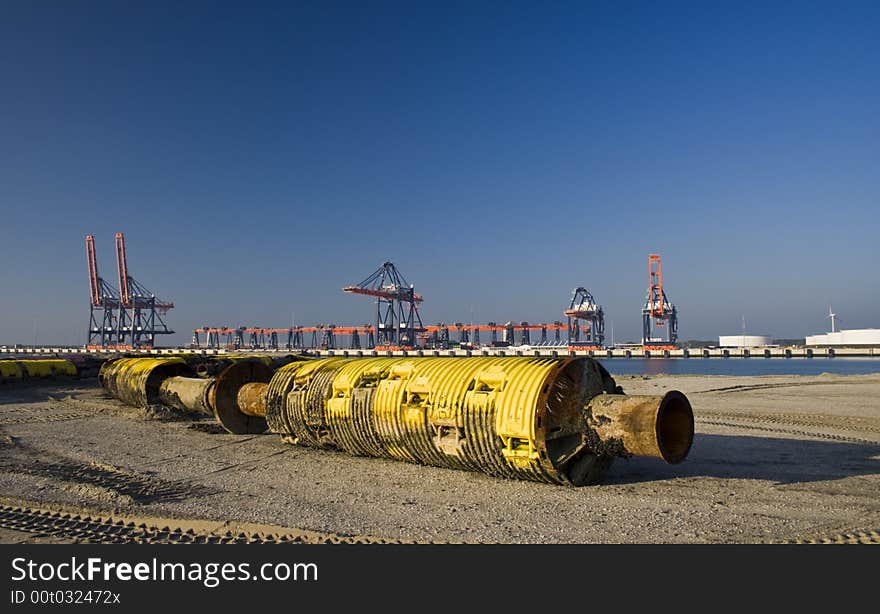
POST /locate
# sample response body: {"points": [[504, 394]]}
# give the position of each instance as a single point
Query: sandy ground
{"points": [[775, 458]]}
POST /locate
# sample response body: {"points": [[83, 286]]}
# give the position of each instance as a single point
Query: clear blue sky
{"points": [[260, 156]]}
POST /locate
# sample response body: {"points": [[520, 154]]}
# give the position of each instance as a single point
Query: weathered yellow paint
{"points": [[306, 401], [10, 370], [282, 382], [39, 368], [476, 413], [514, 417], [136, 381], [349, 411], [517, 409]]}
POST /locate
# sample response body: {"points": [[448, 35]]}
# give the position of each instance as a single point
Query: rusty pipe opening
{"points": [[674, 427], [643, 425]]}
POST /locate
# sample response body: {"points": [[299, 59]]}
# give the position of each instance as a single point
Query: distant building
{"points": [[857, 337], [744, 341]]}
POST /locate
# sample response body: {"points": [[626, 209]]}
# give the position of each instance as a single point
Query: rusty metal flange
{"points": [[224, 397]]}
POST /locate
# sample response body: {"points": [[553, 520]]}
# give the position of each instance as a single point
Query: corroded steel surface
{"points": [[280, 385], [560, 421], [522, 418], [658, 426], [306, 401], [349, 413], [223, 396], [186, 393], [252, 399], [136, 381]]}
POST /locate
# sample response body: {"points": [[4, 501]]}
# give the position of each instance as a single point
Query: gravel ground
{"points": [[775, 458]]}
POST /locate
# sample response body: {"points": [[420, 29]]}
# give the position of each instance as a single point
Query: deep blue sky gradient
{"points": [[259, 156]]}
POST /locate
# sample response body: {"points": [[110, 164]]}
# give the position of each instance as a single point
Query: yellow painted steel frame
{"points": [[349, 411], [472, 413], [282, 382], [306, 401], [10, 370], [42, 368], [481, 413], [133, 380]]}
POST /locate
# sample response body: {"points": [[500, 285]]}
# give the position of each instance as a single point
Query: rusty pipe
{"points": [[170, 381], [642, 425], [516, 417], [251, 399], [186, 393], [550, 420]]}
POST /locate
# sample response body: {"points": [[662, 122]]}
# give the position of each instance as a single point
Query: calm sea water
{"points": [[740, 366]]}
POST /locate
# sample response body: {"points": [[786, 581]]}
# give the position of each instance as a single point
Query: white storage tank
{"points": [[744, 341]]}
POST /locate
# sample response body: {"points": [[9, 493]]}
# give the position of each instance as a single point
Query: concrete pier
{"points": [[548, 351]]}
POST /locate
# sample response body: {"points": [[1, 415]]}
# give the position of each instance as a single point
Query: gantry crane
{"points": [[658, 314], [438, 336], [140, 312], [584, 307], [103, 306], [397, 314]]}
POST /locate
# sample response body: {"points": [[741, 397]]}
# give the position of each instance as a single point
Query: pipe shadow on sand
{"points": [[779, 460]]}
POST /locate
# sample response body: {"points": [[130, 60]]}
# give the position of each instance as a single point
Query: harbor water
{"points": [[740, 366]]}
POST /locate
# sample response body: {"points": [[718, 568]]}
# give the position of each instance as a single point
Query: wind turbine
{"points": [[832, 315]]}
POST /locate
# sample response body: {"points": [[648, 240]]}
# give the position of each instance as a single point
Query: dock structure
{"points": [[547, 351]]}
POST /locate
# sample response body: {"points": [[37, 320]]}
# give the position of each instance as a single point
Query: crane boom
{"points": [[391, 295], [94, 280], [655, 285], [122, 267]]}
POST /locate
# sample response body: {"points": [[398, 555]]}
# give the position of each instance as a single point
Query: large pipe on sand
{"points": [[561, 421]]}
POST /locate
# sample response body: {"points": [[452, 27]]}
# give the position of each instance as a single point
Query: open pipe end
{"points": [[643, 425], [674, 427]]}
